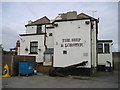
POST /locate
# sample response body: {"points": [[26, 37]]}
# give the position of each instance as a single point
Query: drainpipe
{"points": [[97, 21], [45, 38], [109, 65], [91, 40], [45, 43]]}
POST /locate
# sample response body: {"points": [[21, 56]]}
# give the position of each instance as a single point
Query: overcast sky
{"points": [[16, 14]]}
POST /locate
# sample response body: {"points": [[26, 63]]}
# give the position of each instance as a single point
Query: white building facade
{"points": [[68, 40], [33, 42]]}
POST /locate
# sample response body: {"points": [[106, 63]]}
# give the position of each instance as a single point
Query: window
{"points": [[106, 48], [33, 47], [50, 34], [39, 29], [100, 48], [64, 52], [87, 22]]}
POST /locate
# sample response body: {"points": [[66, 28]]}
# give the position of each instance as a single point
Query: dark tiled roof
{"points": [[79, 17], [42, 20], [64, 16], [49, 51], [83, 15]]}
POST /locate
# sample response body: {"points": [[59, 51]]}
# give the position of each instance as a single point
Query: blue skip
{"points": [[25, 68]]}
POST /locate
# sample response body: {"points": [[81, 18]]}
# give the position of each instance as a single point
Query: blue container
{"points": [[25, 68]]}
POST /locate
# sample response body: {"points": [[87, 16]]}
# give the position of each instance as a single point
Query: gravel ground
{"points": [[99, 80]]}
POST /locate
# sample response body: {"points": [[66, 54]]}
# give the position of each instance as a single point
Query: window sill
{"points": [[103, 53], [33, 53]]}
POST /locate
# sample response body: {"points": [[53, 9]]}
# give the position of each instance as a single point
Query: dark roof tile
{"points": [[42, 20], [83, 15]]}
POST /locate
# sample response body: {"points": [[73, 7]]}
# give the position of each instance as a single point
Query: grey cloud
{"points": [[107, 12], [9, 37]]}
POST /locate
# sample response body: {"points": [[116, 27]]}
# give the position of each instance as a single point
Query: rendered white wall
{"points": [[43, 28], [50, 39], [25, 42], [75, 55], [102, 58], [31, 29]]}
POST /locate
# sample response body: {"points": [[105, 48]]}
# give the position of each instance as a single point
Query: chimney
{"points": [[72, 15], [29, 22]]}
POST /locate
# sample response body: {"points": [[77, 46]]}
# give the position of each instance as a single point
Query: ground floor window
{"points": [[34, 47], [103, 48]]}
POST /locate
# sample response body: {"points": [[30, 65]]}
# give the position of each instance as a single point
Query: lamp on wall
{"points": [[39, 49], [26, 49], [87, 22]]}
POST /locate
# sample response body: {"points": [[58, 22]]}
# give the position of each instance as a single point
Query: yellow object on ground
{"points": [[6, 72]]}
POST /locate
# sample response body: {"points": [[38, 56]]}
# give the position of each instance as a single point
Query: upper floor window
{"points": [[34, 47], [39, 29], [100, 48], [106, 48]]}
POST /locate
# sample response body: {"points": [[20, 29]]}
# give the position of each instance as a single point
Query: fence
{"points": [[43, 69], [116, 61], [13, 60]]}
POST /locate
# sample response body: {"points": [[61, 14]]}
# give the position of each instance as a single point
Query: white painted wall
{"points": [[103, 57], [50, 39], [75, 55], [43, 28], [31, 29], [25, 42]]}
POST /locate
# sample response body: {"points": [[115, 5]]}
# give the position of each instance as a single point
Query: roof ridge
{"points": [[85, 15], [42, 20]]}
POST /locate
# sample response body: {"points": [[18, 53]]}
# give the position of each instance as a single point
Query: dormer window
{"points": [[39, 29]]}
